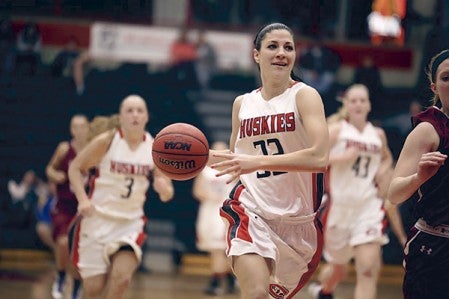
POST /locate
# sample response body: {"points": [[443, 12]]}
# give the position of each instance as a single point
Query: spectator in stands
{"points": [[29, 46], [30, 183], [183, 55], [43, 218], [206, 61], [182, 50], [24, 200], [7, 50], [384, 22], [62, 65], [368, 74], [79, 71], [319, 66], [402, 121]]}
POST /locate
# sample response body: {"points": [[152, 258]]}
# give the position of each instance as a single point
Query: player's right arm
{"points": [[52, 172], [88, 158], [419, 161]]}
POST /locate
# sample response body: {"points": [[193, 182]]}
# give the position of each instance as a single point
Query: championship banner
{"points": [[145, 44]]}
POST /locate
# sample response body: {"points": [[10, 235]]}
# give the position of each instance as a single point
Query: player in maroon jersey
{"points": [[66, 205], [422, 169]]}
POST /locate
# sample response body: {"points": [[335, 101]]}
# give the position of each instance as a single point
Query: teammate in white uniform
{"points": [[359, 161], [278, 144], [211, 191], [108, 237]]}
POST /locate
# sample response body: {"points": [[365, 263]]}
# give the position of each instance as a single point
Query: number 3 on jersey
{"points": [[129, 187], [264, 145]]}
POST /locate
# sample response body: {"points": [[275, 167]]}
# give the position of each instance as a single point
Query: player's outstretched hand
{"points": [[235, 165]]}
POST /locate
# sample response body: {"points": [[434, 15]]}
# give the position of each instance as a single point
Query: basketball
{"points": [[180, 151]]}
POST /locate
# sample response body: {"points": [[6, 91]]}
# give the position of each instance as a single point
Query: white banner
{"points": [[151, 45]]}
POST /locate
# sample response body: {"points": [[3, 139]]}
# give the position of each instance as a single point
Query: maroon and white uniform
{"points": [[66, 204]]}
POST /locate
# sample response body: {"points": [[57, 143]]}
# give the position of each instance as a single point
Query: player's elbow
{"points": [[321, 161], [166, 196]]}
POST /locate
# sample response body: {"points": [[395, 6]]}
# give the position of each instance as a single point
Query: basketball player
{"points": [[211, 191], [359, 161], [66, 205], [110, 233], [279, 143], [422, 169]]}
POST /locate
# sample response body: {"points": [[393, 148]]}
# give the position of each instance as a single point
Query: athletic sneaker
{"points": [[57, 289], [213, 288], [314, 289], [78, 295]]}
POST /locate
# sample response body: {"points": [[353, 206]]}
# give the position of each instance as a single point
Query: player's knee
{"points": [[369, 271], [121, 280], [92, 290], [62, 241]]}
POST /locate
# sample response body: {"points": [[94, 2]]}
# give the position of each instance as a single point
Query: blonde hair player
{"points": [[354, 226], [109, 235], [279, 147]]}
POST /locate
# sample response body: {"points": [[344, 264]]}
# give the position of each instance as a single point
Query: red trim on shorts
{"points": [[228, 233], [313, 264], [92, 182], [384, 220], [75, 256], [142, 236]]}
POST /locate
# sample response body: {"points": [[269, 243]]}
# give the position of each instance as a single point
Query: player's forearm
{"points": [[402, 188], [77, 182], [305, 160]]}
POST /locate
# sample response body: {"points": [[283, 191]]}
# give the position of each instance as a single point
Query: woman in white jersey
{"points": [[279, 143], [211, 191], [360, 160], [108, 238]]}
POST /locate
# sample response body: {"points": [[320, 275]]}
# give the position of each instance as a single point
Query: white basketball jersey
{"points": [[353, 183], [271, 128], [122, 179]]}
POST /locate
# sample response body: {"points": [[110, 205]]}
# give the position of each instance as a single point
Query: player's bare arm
{"points": [[417, 162], [88, 158], [51, 170], [163, 185]]}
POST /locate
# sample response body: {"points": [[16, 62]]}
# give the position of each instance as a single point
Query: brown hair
{"points": [[431, 70]]}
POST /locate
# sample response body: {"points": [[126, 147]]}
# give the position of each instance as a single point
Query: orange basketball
{"points": [[180, 151]]}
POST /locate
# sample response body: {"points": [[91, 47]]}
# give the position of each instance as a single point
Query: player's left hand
{"points": [[235, 165]]}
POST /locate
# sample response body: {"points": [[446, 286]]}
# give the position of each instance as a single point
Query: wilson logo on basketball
{"points": [[188, 164], [178, 146]]}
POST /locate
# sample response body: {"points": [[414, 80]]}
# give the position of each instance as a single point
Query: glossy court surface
{"points": [[29, 275]]}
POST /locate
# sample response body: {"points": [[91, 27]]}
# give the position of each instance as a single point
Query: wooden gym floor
{"points": [[29, 275]]}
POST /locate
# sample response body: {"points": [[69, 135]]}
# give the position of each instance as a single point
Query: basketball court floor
{"points": [[30, 277]]}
